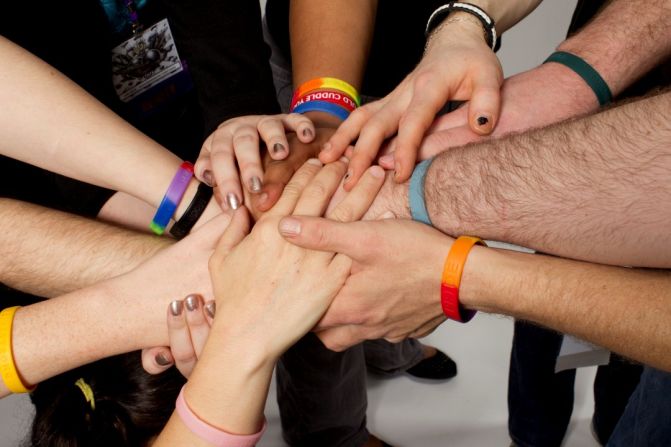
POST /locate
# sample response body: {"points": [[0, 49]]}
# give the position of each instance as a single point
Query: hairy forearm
{"points": [[594, 189], [625, 310], [626, 40], [48, 253]]}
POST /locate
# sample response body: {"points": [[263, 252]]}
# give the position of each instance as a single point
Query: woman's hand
{"points": [[269, 293], [236, 143], [457, 65]]}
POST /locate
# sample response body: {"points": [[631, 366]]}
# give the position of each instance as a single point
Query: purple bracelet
{"points": [[172, 198]]}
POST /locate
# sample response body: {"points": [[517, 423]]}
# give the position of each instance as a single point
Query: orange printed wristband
{"points": [[452, 271]]}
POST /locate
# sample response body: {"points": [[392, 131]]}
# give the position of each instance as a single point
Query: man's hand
{"points": [[544, 95], [394, 288]]}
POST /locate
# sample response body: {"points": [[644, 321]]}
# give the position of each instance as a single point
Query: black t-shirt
{"points": [[220, 40]]}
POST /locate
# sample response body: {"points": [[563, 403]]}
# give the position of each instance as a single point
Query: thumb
{"points": [[207, 235], [485, 104], [234, 233], [445, 139], [321, 234]]}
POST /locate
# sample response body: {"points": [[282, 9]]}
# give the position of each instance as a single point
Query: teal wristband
{"points": [[585, 71], [416, 193]]}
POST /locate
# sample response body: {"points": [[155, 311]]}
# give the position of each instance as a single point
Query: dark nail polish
{"points": [[162, 360], [278, 147], [192, 302], [307, 132], [211, 309], [176, 308], [208, 179], [482, 120]]}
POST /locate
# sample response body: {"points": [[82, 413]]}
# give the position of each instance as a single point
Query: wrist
{"points": [[323, 119], [458, 25]]}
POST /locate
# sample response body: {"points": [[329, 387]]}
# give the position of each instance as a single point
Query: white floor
{"points": [[467, 411]]}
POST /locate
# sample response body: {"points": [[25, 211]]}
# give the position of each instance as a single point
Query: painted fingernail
{"points": [[211, 309], [255, 184], [387, 159], [176, 308], [307, 132], [482, 120], [278, 147], [162, 360], [233, 201], [290, 227], [348, 175], [192, 302], [326, 146], [376, 171], [208, 179]]}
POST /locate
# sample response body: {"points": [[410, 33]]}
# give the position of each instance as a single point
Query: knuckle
{"points": [[423, 80], [343, 214], [244, 137]]}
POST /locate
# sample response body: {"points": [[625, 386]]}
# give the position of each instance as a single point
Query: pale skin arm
{"points": [[48, 253], [50, 122], [594, 189]]}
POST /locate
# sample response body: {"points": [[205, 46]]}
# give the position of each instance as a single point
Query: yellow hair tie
{"points": [[87, 392]]}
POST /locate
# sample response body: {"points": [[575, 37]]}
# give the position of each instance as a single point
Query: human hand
{"points": [[394, 288], [544, 95], [269, 293], [236, 143], [457, 65], [187, 330], [279, 172]]}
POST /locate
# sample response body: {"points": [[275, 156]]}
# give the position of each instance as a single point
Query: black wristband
{"points": [[444, 11], [193, 212]]}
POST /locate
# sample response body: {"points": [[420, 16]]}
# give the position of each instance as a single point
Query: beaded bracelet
{"points": [[10, 376], [172, 198], [451, 279]]}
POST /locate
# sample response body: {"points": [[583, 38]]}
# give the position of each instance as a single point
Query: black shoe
{"points": [[436, 367]]}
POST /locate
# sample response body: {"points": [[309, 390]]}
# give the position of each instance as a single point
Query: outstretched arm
{"points": [[594, 189]]}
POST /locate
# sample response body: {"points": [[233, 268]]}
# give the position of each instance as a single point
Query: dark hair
{"points": [[131, 406]]}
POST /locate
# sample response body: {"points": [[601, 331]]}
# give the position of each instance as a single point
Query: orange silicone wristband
{"points": [[451, 279]]}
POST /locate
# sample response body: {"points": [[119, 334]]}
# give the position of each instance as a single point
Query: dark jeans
{"points": [[540, 401], [646, 421]]}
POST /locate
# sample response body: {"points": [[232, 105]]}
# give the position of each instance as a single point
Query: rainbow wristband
{"points": [[416, 199], [592, 77], [211, 434], [322, 106], [334, 97], [326, 84], [10, 376], [172, 198]]}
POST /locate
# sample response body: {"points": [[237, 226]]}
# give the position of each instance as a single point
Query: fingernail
{"points": [[388, 215], [211, 309], [232, 201], [162, 360], [326, 146], [255, 184], [278, 147], [208, 179], [315, 161], [344, 159], [176, 308], [348, 175], [376, 171], [307, 132], [290, 227], [397, 169], [482, 120], [387, 159], [192, 302]]}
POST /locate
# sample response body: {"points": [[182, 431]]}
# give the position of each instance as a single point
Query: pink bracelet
{"points": [[211, 434]]}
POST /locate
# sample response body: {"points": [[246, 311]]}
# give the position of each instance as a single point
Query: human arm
{"points": [[54, 124], [592, 189], [623, 42], [458, 64], [404, 260]]}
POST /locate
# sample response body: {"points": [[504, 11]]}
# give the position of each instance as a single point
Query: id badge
{"points": [[144, 61]]}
